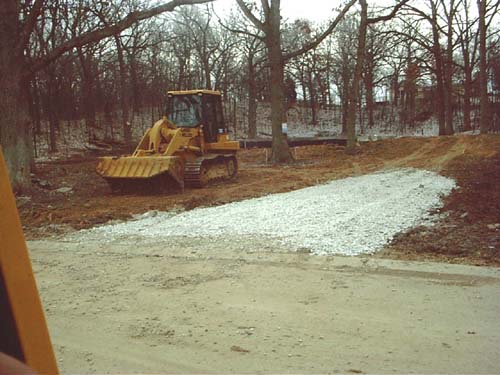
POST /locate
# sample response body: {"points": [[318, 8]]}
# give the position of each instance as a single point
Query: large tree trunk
{"points": [[15, 129], [438, 59], [14, 120], [439, 104], [280, 150], [410, 91], [358, 70]]}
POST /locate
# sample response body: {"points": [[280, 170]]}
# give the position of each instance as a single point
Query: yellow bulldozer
{"points": [[190, 146]]}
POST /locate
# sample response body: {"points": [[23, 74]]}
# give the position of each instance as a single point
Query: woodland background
{"points": [[89, 67]]}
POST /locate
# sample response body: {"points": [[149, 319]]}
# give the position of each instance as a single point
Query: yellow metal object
{"points": [[24, 332], [223, 144], [153, 156], [179, 152], [141, 167]]}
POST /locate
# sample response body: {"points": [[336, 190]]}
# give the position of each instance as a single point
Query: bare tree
{"points": [[376, 52], [269, 27], [344, 60], [487, 11], [468, 41], [358, 70]]}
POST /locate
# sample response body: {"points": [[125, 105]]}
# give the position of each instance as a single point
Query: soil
{"points": [[469, 231], [243, 305], [191, 305]]}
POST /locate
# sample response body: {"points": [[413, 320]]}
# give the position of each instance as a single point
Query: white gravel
{"points": [[349, 216]]}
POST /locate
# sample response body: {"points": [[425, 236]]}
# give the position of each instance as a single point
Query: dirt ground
{"points": [[468, 233], [242, 305]]}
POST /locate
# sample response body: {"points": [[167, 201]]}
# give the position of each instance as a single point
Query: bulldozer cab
{"points": [[189, 109]]}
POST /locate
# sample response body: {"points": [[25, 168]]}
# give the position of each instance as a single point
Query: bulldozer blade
{"points": [[128, 168]]}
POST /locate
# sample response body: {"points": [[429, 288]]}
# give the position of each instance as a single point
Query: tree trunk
{"points": [[35, 111], [439, 104], [358, 70], [345, 111], [15, 129], [15, 138], [52, 104], [35, 115], [438, 59], [346, 82], [368, 80], [395, 90], [304, 93], [134, 83], [410, 92], [312, 99], [449, 73], [280, 150], [182, 74], [88, 94], [252, 99], [207, 73], [127, 128], [467, 104], [467, 108], [484, 117]]}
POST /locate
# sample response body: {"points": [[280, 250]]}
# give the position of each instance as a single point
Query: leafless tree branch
{"points": [[321, 37], [107, 31]]}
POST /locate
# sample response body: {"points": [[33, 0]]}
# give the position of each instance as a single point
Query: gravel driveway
{"points": [[350, 216]]}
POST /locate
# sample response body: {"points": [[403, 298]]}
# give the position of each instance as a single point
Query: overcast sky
{"points": [[314, 10]]}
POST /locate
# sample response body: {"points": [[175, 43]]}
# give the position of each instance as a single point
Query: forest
{"points": [[99, 64]]}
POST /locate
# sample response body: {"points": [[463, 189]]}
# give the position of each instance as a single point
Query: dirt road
{"points": [[195, 306]]}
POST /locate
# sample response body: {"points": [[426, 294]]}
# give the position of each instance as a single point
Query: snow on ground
{"points": [[349, 216]]}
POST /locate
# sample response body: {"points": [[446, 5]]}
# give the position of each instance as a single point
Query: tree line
{"points": [[84, 59]]}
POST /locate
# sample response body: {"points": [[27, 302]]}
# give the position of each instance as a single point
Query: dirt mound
{"points": [[468, 233], [471, 230]]}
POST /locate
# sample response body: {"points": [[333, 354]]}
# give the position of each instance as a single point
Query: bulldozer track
{"points": [[203, 171], [192, 173]]}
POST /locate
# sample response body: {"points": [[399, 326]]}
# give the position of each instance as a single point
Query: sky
{"points": [[314, 10]]}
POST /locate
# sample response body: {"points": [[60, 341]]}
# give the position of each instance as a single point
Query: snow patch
{"points": [[350, 216]]}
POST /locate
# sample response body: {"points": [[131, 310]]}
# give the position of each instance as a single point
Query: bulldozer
{"points": [[189, 146]]}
